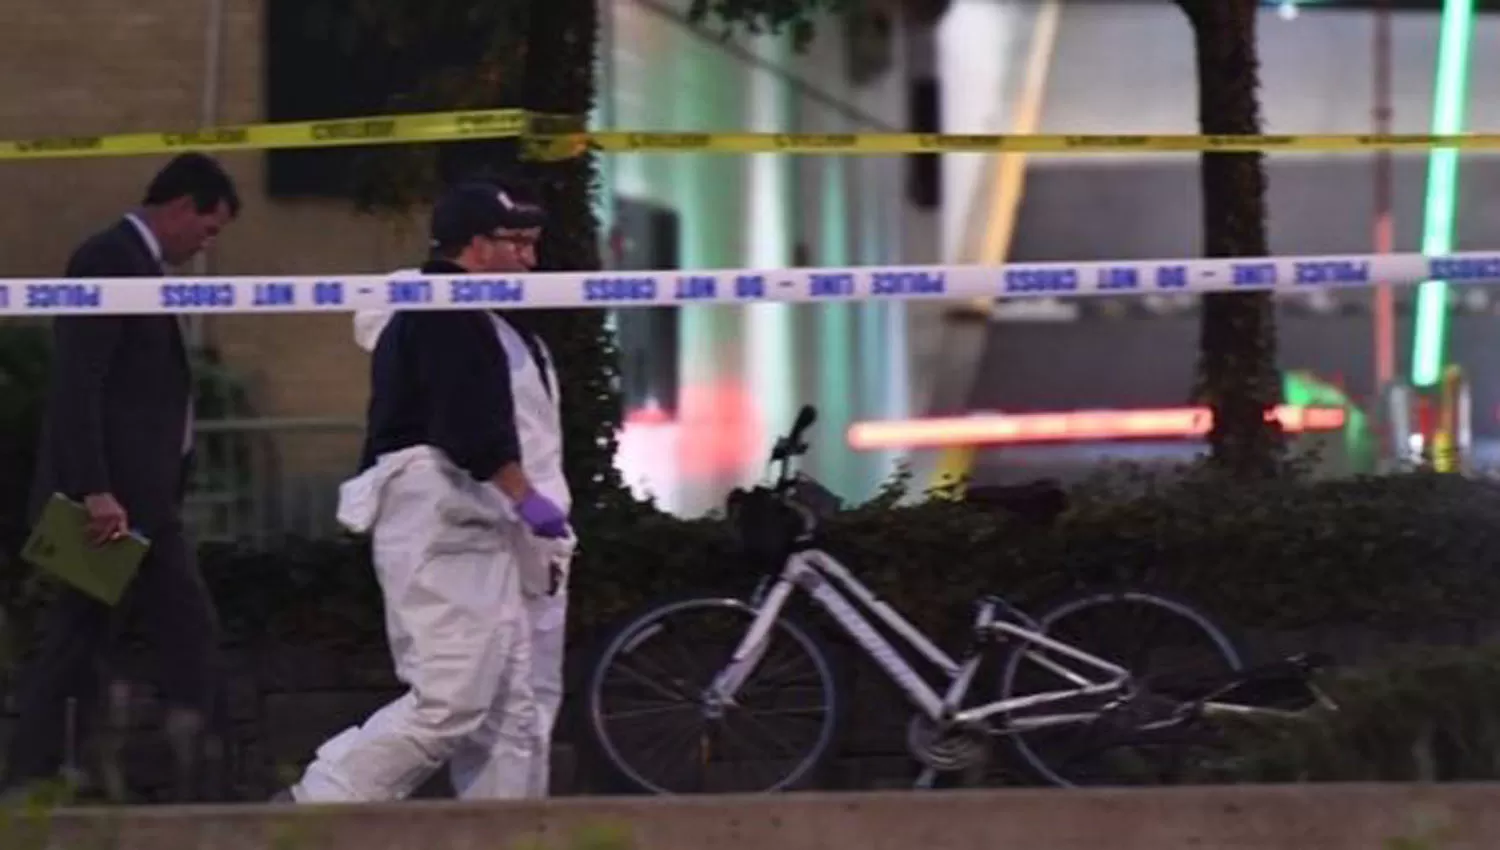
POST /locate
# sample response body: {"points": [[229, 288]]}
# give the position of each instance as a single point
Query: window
{"points": [[646, 238], [330, 59]]}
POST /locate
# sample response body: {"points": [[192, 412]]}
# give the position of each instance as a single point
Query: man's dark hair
{"points": [[198, 176], [448, 252]]}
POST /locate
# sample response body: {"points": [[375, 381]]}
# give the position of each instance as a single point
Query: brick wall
{"points": [[94, 66]]}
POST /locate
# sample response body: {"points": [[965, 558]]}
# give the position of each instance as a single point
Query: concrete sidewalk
{"points": [[1309, 817]]}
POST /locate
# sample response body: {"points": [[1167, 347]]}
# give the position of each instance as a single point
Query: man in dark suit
{"points": [[117, 437]]}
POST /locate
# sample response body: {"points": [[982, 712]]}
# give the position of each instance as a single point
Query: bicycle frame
{"points": [[822, 577], [841, 595]]}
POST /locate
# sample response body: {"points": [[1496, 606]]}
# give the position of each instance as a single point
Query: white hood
{"points": [[367, 327], [369, 323]]}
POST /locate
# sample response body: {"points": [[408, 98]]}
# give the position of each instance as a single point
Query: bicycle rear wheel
{"points": [[646, 714], [1127, 742]]}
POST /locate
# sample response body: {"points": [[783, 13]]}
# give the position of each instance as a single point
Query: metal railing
{"points": [[259, 480]]}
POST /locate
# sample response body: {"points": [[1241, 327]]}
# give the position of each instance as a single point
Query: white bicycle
{"points": [[756, 704]]}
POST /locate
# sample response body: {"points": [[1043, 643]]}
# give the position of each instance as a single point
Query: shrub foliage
{"points": [[1395, 553]]}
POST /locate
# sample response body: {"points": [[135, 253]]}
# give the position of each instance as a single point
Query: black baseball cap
{"points": [[478, 209]]}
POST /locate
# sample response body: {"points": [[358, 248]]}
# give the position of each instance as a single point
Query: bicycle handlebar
{"points": [[805, 419], [762, 508], [791, 445]]}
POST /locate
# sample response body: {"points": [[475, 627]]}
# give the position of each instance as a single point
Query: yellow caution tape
{"points": [[375, 130], [555, 137], [560, 145]]}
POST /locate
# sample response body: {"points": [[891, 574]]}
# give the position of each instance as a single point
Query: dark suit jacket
{"points": [[118, 400]]}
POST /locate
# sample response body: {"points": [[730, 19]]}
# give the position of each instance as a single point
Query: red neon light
{"points": [[651, 414], [1072, 426]]}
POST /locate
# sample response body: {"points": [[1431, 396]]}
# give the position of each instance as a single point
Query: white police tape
{"points": [[624, 289]]}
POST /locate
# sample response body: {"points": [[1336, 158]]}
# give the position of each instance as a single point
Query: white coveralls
{"points": [[458, 634], [487, 764]]}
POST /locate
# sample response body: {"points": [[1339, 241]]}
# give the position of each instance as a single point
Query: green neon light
{"points": [[1354, 451], [1450, 96]]}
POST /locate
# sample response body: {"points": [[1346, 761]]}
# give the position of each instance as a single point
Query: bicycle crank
{"points": [[946, 748]]}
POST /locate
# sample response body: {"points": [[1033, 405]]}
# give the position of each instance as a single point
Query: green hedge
{"points": [[25, 356], [1395, 553], [1425, 715]]}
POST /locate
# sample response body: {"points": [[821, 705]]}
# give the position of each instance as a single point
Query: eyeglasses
{"points": [[516, 239]]}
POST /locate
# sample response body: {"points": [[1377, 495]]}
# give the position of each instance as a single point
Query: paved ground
{"points": [[1352, 817]]}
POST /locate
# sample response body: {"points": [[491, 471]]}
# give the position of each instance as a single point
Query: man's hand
{"points": [[543, 516], [107, 520]]}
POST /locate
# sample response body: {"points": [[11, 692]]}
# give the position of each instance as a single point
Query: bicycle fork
{"points": [[750, 650]]}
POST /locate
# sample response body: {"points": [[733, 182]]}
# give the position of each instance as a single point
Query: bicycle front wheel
{"points": [[1169, 649], [648, 718]]}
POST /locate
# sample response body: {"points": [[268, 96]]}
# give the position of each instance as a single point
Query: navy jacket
{"points": [[118, 396], [441, 378]]}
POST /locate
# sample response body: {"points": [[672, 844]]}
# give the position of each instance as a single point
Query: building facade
{"points": [[86, 66]]}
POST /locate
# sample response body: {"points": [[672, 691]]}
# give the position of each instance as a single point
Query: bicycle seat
{"points": [[1040, 501]]}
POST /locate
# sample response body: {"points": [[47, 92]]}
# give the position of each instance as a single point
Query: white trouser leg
{"points": [[549, 622], [484, 766], [460, 639], [498, 760]]}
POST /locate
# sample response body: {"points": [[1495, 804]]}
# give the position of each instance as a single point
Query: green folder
{"points": [[59, 544]]}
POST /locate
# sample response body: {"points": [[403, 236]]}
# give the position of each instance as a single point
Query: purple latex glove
{"points": [[543, 516]]}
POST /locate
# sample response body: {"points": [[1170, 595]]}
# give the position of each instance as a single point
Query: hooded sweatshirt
{"points": [[369, 323]]}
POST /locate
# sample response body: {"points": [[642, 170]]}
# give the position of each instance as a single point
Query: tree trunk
{"points": [[1237, 373], [558, 79]]}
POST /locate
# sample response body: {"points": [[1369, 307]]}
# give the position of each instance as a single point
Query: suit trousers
{"points": [[170, 600]]}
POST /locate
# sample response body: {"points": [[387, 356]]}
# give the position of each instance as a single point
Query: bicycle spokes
{"points": [[1148, 733], [652, 706]]}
